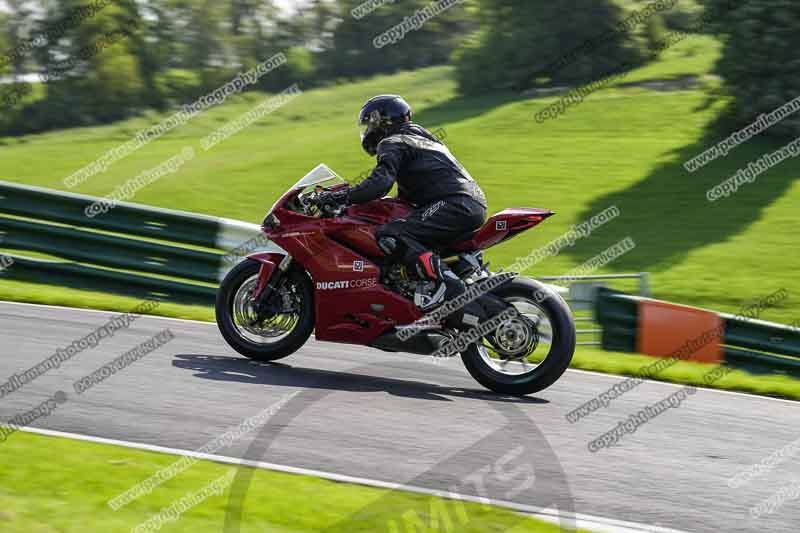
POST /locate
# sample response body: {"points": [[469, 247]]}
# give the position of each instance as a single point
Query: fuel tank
{"points": [[358, 226]]}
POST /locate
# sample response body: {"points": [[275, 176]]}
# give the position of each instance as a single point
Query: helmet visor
{"points": [[370, 137], [363, 130]]}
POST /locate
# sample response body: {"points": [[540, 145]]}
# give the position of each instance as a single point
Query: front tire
{"points": [[264, 340], [493, 372]]}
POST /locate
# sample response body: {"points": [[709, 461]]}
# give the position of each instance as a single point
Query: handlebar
{"points": [[331, 210], [327, 209]]}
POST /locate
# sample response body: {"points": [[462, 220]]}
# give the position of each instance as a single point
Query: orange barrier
{"points": [[665, 329]]}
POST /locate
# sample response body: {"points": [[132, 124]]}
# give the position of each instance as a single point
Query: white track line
{"points": [[582, 521], [102, 311], [578, 370]]}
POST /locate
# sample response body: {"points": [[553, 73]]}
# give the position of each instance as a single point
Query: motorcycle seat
{"points": [[499, 227]]}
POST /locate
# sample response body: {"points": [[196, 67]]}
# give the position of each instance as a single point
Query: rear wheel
{"points": [[265, 338], [529, 352]]}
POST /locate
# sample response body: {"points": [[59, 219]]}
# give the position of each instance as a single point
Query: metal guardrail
{"points": [[133, 249], [580, 294], [126, 218]]}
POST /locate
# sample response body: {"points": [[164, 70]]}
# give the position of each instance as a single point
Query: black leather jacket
{"points": [[423, 167]]}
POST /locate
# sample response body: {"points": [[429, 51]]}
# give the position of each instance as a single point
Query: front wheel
{"points": [[259, 337], [529, 352]]}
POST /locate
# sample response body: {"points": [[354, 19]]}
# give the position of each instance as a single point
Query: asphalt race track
{"points": [[400, 418]]}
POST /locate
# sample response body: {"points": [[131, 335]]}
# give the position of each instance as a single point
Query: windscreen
{"points": [[320, 175]]}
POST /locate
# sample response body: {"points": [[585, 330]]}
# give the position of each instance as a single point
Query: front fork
{"points": [[270, 278]]}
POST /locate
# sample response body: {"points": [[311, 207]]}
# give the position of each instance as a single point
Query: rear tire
{"points": [[562, 343], [264, 350]]}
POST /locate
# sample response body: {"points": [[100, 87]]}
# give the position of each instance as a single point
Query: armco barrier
{"points": [[116, 251], [581, 295], [618, 316], [110, 250], [754, 345], [126, 218], [84, 277]]}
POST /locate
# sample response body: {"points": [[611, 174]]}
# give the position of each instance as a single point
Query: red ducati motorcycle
{"points": [[325, 273]]}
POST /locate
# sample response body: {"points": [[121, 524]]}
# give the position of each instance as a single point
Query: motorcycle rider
{"points": [[448, 202]]}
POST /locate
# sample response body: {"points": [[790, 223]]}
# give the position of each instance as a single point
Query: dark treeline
{"points": [[104, 60]]}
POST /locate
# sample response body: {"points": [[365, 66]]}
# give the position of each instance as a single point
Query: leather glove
{"points": [[335, 198]]}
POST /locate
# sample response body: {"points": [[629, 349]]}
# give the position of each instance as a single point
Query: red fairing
{"points": [[269, 262], [350, 303], [358, 236], [363, 221], [338, 253]]}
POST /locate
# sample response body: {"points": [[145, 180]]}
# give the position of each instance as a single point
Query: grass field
{"points": [[60, 485], [624, 146]]}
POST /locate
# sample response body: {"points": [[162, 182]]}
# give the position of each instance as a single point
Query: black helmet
{"points": [[379, 116]]}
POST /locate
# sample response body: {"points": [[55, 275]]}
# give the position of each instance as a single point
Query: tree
{"points": [[524, 43], [759, 62], [317, 21], [203, 35], [93, 76], [16, 26], [353, 53]]}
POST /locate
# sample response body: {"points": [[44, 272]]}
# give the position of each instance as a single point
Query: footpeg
{"points": [[427, 302]]}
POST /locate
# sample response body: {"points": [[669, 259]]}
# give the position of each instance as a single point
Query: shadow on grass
{"points": [[463, 108], [667, 213]]}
